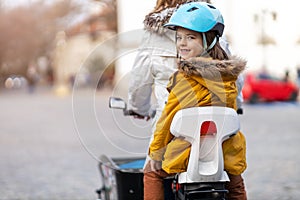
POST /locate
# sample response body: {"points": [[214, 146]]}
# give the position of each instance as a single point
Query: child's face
{"points": [[189, 43]]}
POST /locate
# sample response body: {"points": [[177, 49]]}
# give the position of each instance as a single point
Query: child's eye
{"points": [[178, 38], [190, 37]]}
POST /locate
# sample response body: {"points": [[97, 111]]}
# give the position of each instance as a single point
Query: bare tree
{"points": [[28, 32], [109, 14]]}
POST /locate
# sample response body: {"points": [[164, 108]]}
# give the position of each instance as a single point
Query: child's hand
{"points": [[155, 165]]}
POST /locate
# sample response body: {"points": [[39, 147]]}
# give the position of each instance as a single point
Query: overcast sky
{"points": [[13, 3]]}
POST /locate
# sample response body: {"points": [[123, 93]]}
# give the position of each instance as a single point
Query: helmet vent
{"points": [[192, 9], [211, 6]]}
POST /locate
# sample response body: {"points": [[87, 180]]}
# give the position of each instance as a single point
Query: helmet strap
{"points": [[204, 41], [212, 44]]}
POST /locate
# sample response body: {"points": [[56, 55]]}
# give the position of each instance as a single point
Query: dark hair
{"points": [[217, 52]]}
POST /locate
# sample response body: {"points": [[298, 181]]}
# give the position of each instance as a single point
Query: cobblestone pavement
{"points": [[273, 143], [49, 146]]}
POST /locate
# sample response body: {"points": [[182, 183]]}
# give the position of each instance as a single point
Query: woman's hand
{"points": [[138, 116]]}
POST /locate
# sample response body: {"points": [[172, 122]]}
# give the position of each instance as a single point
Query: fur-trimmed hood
{"points": [[210, 69], [218, 76]]}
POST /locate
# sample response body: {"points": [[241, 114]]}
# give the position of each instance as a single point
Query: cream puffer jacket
{"points": [[155, 62]]}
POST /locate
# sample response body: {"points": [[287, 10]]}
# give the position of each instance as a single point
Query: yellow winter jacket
{"points": [[199, 82]]}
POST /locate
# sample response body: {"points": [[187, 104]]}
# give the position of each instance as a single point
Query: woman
{"points": [[206, 76]]}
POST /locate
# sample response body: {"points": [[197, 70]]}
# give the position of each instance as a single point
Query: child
{"points": [[206, 76]]}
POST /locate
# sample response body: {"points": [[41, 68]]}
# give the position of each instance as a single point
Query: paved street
{"points": [[49, 145]]}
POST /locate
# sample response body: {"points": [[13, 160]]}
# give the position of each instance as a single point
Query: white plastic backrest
{"points": [[187, 123]]}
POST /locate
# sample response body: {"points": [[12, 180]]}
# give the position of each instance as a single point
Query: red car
{"points": [[263, 87]]}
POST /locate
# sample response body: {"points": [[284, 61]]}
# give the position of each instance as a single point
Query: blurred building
{"points": [[93, 43], [73, 58], [264, 32]]}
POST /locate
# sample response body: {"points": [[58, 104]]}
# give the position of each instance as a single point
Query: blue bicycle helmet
{"points": [[198, 16]]}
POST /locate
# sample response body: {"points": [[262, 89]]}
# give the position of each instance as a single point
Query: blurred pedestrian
{"points": [[32, 78], [286, 76], [298, 76]]}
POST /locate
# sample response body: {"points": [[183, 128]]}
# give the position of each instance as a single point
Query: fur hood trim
{"points": [[155, 22], [209, 68]]}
